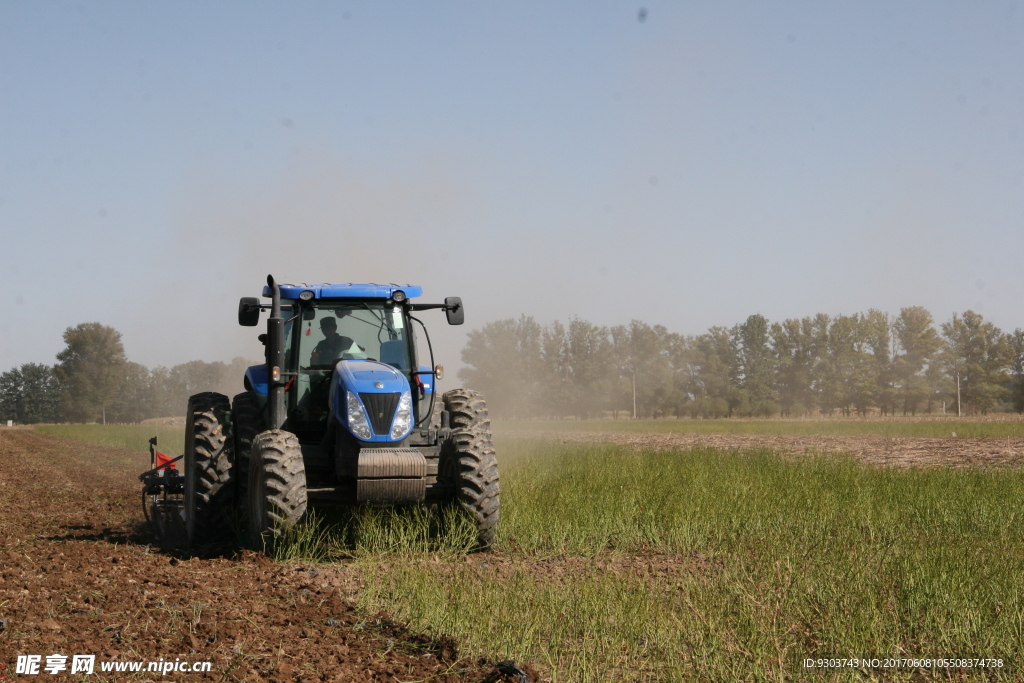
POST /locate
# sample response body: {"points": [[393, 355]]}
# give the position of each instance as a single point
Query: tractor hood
{"points": [[372, 400]]}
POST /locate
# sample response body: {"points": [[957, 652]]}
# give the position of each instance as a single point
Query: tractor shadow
{"points": [[143, 535], [103, 535]]}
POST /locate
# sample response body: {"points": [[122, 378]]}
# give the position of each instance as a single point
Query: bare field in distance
{"points": [[1001, 425], [895, 442]]}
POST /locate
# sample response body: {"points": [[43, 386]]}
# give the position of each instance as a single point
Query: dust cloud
{"points": [[319, 221]]}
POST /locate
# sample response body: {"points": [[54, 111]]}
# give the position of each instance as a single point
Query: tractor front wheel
{"points": [[208, 465], [468, 461], [277, 487]]}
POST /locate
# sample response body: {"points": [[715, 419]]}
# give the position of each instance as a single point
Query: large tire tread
{"points": [[470, 459], [209, 461], [277, 481]]}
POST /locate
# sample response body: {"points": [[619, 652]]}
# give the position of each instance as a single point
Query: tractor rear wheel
{"points": [[468, 461], [277, 487], [247, 422], [208, 463]]}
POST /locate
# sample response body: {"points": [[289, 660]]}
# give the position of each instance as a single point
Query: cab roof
{"points": [[347, 290]]}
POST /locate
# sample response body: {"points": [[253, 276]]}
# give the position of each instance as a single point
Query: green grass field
{"points": [[1011, 426], [131, 437], [734, 566], [616, 564]]}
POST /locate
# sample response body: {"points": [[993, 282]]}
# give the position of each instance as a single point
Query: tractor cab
{"points": [[348, 351]]}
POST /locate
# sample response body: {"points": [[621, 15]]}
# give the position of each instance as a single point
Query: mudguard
{"points": [[256, 379]]}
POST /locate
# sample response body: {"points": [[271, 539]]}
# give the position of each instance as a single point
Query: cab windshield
{"points": [[361, 331], [324, 333]]}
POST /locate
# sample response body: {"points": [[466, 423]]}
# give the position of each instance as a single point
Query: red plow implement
{"points": [[163, 495]]}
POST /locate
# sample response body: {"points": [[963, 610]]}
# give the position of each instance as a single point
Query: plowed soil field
{"points": [[80, 574], [889, 451]]}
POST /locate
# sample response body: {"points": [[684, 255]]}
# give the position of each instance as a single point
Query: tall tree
{"points": [[90, 371], [1017, 369], [794, 352], [554, 385], [837, 371], [816, 331], [680, 352], [588, 364], [979, 354], [878, 381], [715, 366], [135, 400], [755, 367], [10, 393], [29, 394], [649, 364], [917, 345], [621, 371], [502, 361]]}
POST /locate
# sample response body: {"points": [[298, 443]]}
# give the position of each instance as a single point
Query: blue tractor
{"points": [[341, 412]]}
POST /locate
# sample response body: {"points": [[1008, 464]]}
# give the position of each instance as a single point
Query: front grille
{"points": [[381, 408]]}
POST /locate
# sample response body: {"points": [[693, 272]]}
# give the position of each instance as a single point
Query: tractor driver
{"points": [[332, 346]]}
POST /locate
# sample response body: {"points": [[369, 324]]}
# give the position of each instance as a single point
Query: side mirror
{"points": [[249, 311], [454, 310]]}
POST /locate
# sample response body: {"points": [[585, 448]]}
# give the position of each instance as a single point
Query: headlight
{"points": [[357, 422], [403, 417]]}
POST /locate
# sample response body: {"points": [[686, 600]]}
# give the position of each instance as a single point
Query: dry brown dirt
{"points": [[873, 450], [81, 574]]}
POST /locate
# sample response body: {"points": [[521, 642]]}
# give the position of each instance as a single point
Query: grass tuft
{"points": [[377, 531]]}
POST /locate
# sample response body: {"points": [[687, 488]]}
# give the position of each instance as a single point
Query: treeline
{"points": [[93, 381], [858, 364]]}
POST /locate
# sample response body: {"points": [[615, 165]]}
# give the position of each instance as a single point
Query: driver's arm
{"points": [[314, 358]]}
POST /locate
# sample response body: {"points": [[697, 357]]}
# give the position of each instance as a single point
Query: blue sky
{"points": [[714, 160]]}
